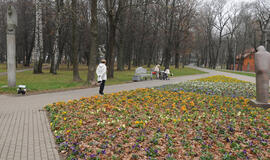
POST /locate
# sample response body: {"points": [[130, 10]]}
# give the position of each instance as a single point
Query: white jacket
{"points": [[156, 69], [101, 72], [167, 71]]}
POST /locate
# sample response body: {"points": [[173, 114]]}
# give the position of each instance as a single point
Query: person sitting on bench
{"points": [[167, 73]]}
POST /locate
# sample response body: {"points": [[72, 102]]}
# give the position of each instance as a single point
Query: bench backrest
{"points": [[140, 70]]}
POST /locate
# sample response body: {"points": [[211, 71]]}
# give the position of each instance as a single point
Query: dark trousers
{"points": [[101, 88]]}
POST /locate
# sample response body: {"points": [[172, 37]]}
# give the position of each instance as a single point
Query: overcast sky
{"points": [[231, 3], [237, 1]]}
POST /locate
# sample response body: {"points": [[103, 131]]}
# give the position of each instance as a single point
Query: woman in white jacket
{"points": [[102, 75]]}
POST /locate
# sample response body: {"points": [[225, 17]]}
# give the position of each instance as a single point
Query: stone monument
{"points": [[11, 45], [262, 67]]}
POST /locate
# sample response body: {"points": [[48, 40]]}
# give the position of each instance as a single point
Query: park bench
{"points": [[141, 74]]}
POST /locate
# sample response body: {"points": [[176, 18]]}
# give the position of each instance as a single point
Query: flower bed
{"points": [[215, 85], [154, 124], [220, 78]]}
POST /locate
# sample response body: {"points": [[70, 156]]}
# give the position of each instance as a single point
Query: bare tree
{"points": [[76, 75], [93, 45], [55, 57], [221, 22], [122, 21], [262, 8], [207, 21], [136, 32], [234, 22], [112, 12], [38, 49]]}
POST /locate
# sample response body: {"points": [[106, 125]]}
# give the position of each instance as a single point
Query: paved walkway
{"points": [[22, 70], [24, 129], [17, 71]]}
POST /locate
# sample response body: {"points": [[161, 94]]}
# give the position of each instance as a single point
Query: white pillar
{"points": [[11, 60], [11, 46]]}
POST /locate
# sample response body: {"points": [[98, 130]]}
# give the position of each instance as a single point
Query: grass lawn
{"points": [[63, 80], [2, 68], [162, 123], [185, 71], [241, 73]]}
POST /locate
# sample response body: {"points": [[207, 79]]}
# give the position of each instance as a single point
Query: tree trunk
{"points": [[76, 75], [120, 56], [111, 46], [167, 57], [140, 52], [29, 52], [169, 38], [93, 45], [112, 18], [177, 57], [152, 48], [55, 56], [183, 61], [61, 48], [38, 49]]}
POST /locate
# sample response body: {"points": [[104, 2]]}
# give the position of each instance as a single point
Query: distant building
{"points": [[246, 60]]}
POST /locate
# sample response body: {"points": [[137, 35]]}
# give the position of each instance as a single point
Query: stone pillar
{"points": [[11, 46], [262, 67]]}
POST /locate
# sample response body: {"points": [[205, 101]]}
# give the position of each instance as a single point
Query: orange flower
{"points": [[183, 108]]}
